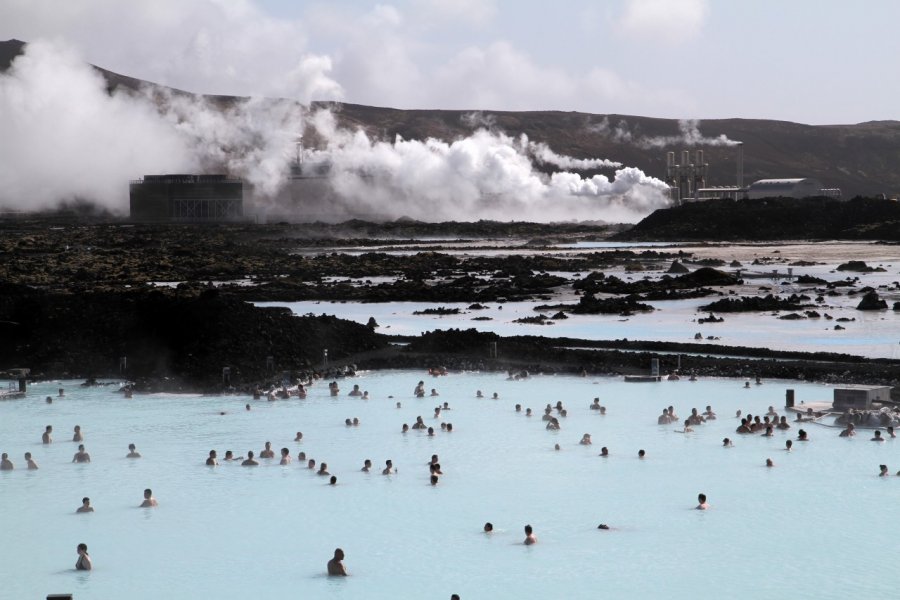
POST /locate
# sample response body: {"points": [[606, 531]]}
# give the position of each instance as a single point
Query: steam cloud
{"points": [[689, 135], [65, 137]]}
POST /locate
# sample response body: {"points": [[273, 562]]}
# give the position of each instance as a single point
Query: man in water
{"points": [[298, 437], [877, 437], [285, 457], [367, 466], [883, 471], [335, 566], [663, 418], [388, 467], [770, 462], [78, 437], [529, 536], [85, 506], [132, 452], [5, 463], [81, 456], [323, 469], [84, 560], [641, 454], [32, 466], [211, 461], [149, 500], [46, 438], [727, 443], [788, 444], [333, 480], [604, 451], [702, 504], [585, 440], [802, 436], [488, 527], [850, 431], [267, 452], [250, 462]]}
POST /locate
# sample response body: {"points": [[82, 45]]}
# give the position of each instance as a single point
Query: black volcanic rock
{"points": [[872, 301], [858, 266], [772, 219], [184, 338], [677, 268]]}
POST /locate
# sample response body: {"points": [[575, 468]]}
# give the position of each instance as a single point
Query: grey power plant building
{"points": [[687, 182], [187, 198]]}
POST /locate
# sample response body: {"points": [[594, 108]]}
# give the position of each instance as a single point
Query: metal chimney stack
{"points": [[740, 165]]}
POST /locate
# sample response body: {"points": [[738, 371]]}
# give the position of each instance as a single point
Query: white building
{"points": [[789, 188]]}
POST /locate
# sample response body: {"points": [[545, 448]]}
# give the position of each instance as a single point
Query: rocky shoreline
{"points": [[76, 299]]}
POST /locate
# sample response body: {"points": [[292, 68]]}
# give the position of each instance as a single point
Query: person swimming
{"points": [[85, 506], [529, 536], [298, 437], [727, 443], [84, 559], [595, 405], [434, 479], [367, 466], [132, 452], [488, 527], [528, 412], [267, 452], [877, 437], [323, 469], [250, 461], [46, 438], [642, 454], [81, 456], [478, 394], [849, 431], [5, 463], [553, 424], [788, 444], [355, 391], [770, 462], [332, 480], [604, 451], [802, 436], [335, 566], [32, 466], [388, 467], [883, 471], [701, 500], [585, 440], [149, 500], [285, 457], [405, 428], [709, 413], [78, 436], [663, 419], [211, 460]]}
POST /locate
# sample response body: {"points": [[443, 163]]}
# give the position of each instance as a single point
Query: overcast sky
{"points": [[811, 61]]}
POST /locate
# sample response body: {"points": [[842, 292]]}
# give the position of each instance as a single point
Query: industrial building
{"points": [[187, 198], [687, 182], [803, 187]]}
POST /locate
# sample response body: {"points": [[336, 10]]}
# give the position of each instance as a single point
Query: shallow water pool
{"points": [[819, 523]]}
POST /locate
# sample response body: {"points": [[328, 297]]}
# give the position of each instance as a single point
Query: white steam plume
{"points": [[689, 135], [64, 137], [485, 175], [544, 154]]}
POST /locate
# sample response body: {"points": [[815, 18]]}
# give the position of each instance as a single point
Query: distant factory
{"points": [[687, 182], [187, 198]]}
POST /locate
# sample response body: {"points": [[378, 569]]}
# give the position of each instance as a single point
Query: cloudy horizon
{"points": [[684, 59]]}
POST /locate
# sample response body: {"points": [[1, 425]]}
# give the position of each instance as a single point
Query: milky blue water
{"points": [[818, 524]]}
